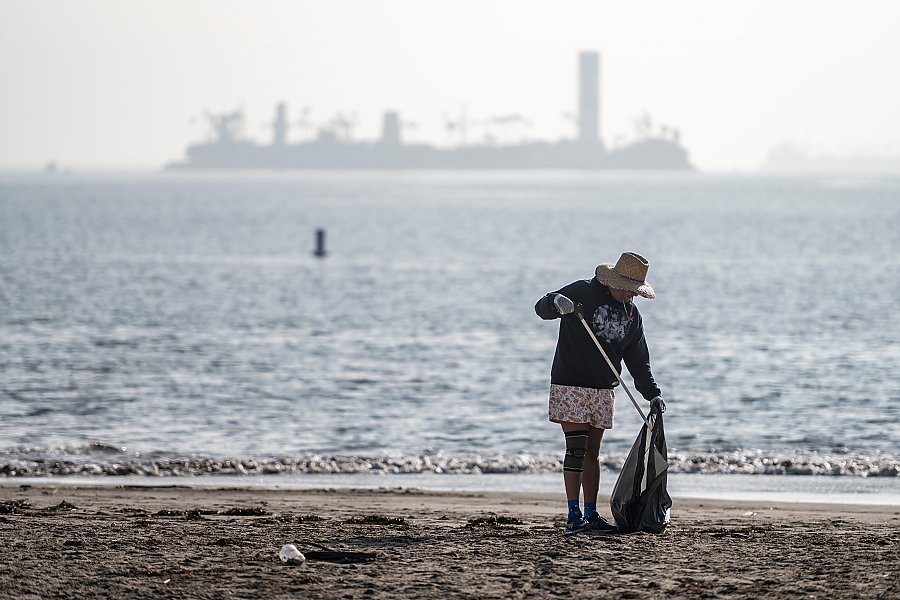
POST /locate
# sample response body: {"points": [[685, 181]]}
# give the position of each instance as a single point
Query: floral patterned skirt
{"points": [[591, 406]]}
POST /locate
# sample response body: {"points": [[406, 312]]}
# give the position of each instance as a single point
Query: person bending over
{"points": [[581, 383]]}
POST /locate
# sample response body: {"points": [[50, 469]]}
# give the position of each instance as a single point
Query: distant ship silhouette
{"points": [[333, 149]]}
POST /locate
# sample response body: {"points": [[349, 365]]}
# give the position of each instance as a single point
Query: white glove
{"points": [[662, 404], [563, 305]]}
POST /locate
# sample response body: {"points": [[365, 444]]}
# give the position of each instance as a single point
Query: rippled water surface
{"points": [[185, 316]]}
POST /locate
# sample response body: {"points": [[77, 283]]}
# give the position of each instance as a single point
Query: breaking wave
{"points": [[99, 459]]}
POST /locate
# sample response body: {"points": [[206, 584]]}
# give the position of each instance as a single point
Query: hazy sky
{"points": [[124, 84]]}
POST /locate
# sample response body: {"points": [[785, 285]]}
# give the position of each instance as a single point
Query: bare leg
{"points": [[590, 479], [572, 479]]}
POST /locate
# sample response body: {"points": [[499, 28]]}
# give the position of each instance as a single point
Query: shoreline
{"points": [[172, 540], [694, 486]]}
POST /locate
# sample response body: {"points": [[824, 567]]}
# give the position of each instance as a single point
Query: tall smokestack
{"points": [[279, 125], [589, 98]]}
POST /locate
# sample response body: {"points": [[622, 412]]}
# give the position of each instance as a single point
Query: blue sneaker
{"points": [[575, 522], [597, 525]]}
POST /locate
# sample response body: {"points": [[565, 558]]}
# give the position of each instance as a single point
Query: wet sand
{"points": [[151, 542]]}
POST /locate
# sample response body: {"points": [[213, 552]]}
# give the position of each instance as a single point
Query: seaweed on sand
{"points": [[377, 520], [493, 521], [14, 507]]}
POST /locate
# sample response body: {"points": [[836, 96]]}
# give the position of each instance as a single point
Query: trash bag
{"points": [[639, 500]]}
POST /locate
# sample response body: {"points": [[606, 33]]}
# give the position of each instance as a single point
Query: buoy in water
{"points": [[320, 243]]}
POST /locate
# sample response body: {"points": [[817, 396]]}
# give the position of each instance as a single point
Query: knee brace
{"points": [[576, 444]]}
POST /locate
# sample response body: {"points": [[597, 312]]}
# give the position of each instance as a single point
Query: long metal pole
{"points": [[612, 368]]}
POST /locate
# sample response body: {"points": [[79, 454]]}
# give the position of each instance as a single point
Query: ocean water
{"points": [[180, 325]]}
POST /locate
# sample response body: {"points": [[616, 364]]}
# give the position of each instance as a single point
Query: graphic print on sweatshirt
{"points": [[609, 324]]}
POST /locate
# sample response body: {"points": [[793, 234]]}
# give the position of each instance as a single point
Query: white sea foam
{"points": [[33, 462]]}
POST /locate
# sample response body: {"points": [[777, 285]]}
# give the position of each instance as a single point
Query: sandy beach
{"points": [[149, 542]]}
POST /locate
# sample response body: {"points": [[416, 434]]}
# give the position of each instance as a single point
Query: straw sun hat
{"points": [[629, 273]]}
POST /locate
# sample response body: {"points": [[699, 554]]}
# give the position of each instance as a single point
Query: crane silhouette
{"points": [[225, 127]]}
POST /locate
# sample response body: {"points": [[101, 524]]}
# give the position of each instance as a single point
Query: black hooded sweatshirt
{"points": [[577, 361]]}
